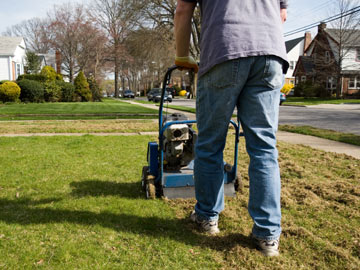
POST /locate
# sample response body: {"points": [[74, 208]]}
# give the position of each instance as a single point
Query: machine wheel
{"points": [[238, 183], [144, 175], [150, 187]]}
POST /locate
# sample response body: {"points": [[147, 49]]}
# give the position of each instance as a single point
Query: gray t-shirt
{"points": [[240, 28]]}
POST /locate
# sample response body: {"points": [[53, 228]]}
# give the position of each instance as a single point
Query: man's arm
{"points": [[182, 21], [283, 10]]}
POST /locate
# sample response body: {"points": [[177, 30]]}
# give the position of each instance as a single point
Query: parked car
{"points": [[167, 97], [282, 98], [171, 90], [152, 93], [129, 94]]}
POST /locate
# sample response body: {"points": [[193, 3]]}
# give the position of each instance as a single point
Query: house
{"points": [[12, 57], [52, 59], [294, 49], [332, 58]]}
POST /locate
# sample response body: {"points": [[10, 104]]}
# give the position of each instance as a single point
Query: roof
{"points": [[307, 63], [8, 45], [349, 37], [290, 44]]}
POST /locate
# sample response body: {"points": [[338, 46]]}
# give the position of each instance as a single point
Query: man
{"points": [[242, 62]]}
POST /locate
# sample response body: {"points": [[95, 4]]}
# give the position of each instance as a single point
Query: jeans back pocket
{"points": [[273, 72]]}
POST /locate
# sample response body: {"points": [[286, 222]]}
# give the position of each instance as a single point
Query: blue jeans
{"points": [[252, 84]]}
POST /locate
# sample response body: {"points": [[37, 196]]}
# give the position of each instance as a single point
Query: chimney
{"points": [[307, 40], [58, 62], [321, 27]]}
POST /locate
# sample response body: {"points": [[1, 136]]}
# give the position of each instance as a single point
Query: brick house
{"points": [[320, 62]]}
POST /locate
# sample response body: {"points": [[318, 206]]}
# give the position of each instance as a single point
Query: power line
{"points": [[308, 11], [327, 20]]}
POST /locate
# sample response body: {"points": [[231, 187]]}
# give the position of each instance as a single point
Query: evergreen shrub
{"points": [[67, 91], [52, 91], [31, 91], [9, 92], [49, 73], [94, 88], [82, 88]]}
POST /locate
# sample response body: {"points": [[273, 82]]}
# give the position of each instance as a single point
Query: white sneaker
{"points": [[269, 248], [209, 226]]}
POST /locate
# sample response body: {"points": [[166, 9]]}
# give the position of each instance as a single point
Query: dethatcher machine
{"points": [[169, 172]]}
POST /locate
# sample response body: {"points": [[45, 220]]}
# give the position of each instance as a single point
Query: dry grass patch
{"points": [[321, 213], [77, 126]]}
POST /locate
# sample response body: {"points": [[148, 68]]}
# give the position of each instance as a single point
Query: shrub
{"points": [[67, 91], [52, 91], [82, 88], [33, 77], [31, 91], [49, 73], [4, 81], [94, 88], [9, 92]]}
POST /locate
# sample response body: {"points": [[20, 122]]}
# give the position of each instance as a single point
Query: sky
{"points": [[300, 12]]}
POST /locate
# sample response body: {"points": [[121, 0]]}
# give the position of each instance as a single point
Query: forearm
{"points": [[183, 16]]}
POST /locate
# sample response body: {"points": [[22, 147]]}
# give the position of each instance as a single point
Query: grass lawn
{"points": [[108, 109], [76, 203], [323, 133], [316, 101]]}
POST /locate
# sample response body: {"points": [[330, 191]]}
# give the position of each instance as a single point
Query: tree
{"points": [[65, 24], [161, 13], [32, 63], [117, 18], [35, 32], [346, 32]]}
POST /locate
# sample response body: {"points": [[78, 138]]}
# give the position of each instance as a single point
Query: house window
{"points": [[303, 78], [296, 80], [327, 57], [354, 83], [18, 70], [357, 54]]}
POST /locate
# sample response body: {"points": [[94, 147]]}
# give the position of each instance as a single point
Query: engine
{"points": [[179, 141]]}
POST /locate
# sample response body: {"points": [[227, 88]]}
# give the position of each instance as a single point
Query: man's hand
{"points": [[187, 62], [283, 14]]}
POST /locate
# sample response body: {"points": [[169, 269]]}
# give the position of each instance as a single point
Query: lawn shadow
{"points": [[98, 188], [27, 212]]}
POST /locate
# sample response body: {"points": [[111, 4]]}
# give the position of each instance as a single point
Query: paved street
{"points": [[343, 118]]}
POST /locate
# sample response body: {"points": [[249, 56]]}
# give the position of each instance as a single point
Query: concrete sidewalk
{"points": [[294, 138]]}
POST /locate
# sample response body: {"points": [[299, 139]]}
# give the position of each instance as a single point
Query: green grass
{"points": [[109, 109], [323, 133], [76, 203], [300, 101]]}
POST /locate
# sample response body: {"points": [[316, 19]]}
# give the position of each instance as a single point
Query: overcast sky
{"points": [[300, 12]]}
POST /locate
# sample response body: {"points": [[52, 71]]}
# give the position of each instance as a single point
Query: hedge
{"points": [[31, 91]]}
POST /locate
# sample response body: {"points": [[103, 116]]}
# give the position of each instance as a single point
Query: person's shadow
{"points": [[27, 211]]}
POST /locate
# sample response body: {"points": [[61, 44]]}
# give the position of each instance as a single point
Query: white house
{"points": [[12, 57], [294, 49]]}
